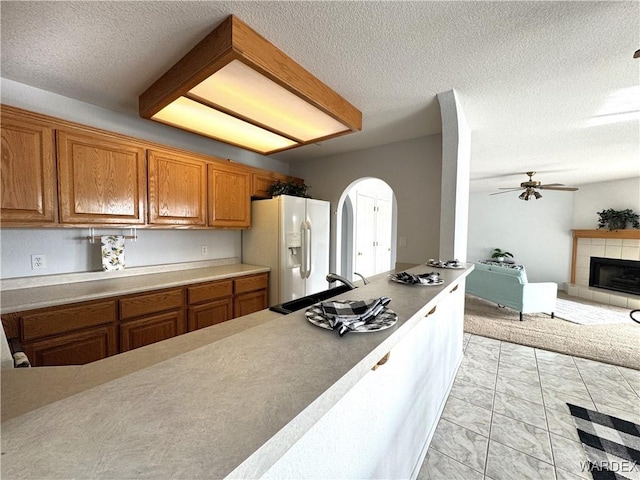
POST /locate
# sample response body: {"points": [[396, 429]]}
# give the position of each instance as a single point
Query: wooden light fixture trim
{"points": [[235, 40]]}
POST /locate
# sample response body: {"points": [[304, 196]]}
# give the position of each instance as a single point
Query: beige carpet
{"points": [[618, 344]]}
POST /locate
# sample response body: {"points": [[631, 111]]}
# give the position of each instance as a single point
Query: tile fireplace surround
{"points": [[619, 244]]}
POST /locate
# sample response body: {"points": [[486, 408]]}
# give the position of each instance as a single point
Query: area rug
{"points": [[617, 344], [585, 314], [612, 445]]}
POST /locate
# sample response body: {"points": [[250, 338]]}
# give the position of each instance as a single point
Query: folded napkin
{"points": [[422, 279], [346, 316]]}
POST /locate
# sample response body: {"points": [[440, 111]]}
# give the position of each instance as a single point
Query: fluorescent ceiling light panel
{"points": [[255, 95], [197, 118], [240, 89]]}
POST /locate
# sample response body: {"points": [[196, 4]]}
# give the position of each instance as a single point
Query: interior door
{"points": [[365, 256], [383, 235]]}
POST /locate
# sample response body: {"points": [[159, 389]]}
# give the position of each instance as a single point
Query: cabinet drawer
{"points": [[148, 330], [67, 319], [249, 284], [75, 348], [209, 291], [249, 303], [150, 303]]}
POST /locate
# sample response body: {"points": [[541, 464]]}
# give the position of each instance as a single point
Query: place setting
{"points": [[451, 264], [359, 316], [424, 279]]}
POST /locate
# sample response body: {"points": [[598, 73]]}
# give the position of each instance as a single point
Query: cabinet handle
{"points": [[382, 361], [454, 289], [433, 310]]}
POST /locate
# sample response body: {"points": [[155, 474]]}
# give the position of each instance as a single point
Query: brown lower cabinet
{"points": [[150, 318], [89, 331]]}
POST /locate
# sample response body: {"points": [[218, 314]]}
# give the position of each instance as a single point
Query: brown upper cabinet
{"points": [[59, 172], [177, 189], [28, 169], [101, 180], [263, 179], [229, 196]]}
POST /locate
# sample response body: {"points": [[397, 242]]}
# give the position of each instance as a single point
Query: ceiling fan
{"points": [[532, 186]]}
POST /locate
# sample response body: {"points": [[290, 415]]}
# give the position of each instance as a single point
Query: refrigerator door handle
{"points": [[303, 261], [309, 253]]}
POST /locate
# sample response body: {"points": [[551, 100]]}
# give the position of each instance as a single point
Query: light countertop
{"points": [[225, 401], [108, 285]]}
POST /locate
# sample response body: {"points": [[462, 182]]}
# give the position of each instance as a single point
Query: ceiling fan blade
{"points": [[565, 189], [551, 185], [511, 188], [507, 191]]}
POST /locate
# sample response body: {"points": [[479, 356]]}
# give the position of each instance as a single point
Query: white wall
{"points": [[537, 232], [411, 168], [69, 251], [66, 250], [596, 197]]}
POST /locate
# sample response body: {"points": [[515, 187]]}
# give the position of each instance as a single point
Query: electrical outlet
{"points": [[38, 261], [205, 249]]}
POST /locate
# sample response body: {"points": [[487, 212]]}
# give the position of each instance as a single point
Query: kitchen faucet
{"points": [[333, 277]]}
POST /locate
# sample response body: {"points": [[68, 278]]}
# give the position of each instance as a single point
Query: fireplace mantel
{"points": [[626, 233], [633, 234]]}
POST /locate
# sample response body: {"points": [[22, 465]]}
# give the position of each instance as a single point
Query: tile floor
{"points": [[507, 418]]}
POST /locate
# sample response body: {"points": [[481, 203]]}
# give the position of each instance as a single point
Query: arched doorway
{"points": [[366, 229]]}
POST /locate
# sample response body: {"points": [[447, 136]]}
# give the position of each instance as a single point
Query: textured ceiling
{"points": [[531, 76]]}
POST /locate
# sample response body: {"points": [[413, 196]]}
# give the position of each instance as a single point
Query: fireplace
{"points": [[615, 274]]}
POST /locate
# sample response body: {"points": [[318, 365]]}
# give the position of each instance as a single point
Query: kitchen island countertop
{"points": [[229, 400]]}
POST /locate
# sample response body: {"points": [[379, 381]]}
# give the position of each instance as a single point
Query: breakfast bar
{"points": [[263, 395]]}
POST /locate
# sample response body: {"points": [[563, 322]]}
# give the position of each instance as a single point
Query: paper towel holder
{"points": [[92, 235]]}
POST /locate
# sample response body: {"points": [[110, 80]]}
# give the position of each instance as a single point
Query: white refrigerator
{"points": [[291, 236]]}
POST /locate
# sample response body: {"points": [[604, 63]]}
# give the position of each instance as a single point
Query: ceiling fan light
{"points": [[537, 195], [524, 196], [237, 73]]}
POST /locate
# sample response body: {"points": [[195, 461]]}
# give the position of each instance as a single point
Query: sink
{"points": [[304, 302]]}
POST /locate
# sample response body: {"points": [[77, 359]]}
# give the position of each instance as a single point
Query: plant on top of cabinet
{"points": [[290, 187]]}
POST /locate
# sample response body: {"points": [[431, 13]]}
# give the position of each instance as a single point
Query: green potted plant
{"points": [[500, 255], [290, 187], [618, 219]]}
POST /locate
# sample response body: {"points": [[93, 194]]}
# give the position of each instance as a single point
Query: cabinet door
{"points": [[100, 179], [201, 316], [177, 189], [28, 170], [75, 348], [229, 196], [249, 302], [147, 330], [260, 183]]}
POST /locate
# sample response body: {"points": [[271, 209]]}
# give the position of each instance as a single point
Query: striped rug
{"points": [[612, 445]]}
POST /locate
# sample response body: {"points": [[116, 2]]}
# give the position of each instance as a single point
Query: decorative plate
{"points": [[385, 319]]}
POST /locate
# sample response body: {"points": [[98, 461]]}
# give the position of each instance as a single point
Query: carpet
{"points": [[585, 314], [612, 445], [617, 344]]}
